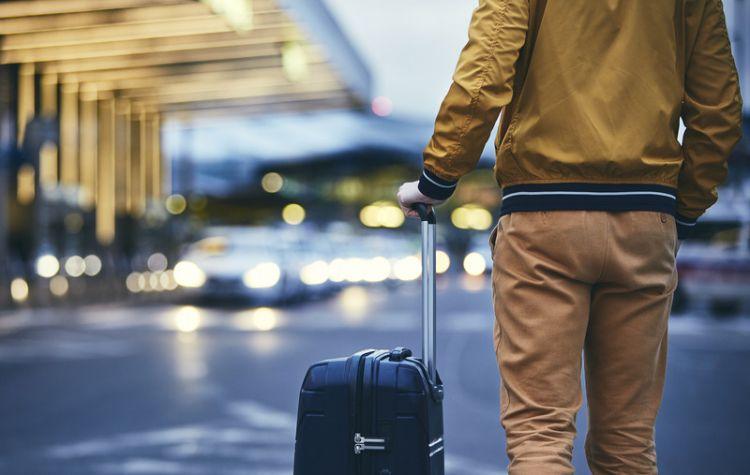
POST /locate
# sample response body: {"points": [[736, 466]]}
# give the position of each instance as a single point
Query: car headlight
{"points": [[262, 276], [188, 274], [408, 268], [315, 273]]}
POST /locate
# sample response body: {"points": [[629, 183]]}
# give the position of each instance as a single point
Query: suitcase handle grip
{"points": [[429, 353], [425, 212]]}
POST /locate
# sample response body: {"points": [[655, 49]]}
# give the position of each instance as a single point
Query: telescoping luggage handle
{"points": [[427, 216]]}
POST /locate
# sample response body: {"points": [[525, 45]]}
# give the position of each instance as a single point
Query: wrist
{"points": [[435, 187], [685, 226]]}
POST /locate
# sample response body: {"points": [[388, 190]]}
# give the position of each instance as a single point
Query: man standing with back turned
{"points": [[597, 192]]}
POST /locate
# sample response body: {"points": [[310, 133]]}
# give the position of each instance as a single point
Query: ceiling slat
{"points": [[27, 24], [157, 27], [166, 71], [139, 60], [270, 34], [257, 105], [125, 32], [212, 79], [174, 56], [17, 8], [224, 90]]}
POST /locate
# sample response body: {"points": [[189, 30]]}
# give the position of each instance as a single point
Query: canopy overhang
{"points": [[110, 73], [188, 57]]}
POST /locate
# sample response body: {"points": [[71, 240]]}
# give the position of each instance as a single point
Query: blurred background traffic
{"points": [[192, 161]]}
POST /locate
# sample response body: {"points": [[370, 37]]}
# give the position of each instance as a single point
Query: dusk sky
{"points": [[411, 47]]}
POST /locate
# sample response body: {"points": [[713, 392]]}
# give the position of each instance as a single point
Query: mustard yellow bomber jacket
{"points": [[595, 124]]}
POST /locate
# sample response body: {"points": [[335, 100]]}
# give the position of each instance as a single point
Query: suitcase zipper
{"points": [[359, 399], [362, 444]]}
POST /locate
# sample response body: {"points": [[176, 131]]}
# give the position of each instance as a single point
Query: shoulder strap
{"points": [[536, 14]]}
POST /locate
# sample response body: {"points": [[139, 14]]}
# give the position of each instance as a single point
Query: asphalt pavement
{"points": [[177, 389]]}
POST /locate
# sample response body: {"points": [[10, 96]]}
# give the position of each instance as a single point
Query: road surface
{"points": [[175, 389]]}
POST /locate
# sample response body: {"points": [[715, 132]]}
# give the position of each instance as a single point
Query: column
{"points": [[88, 137], [123, 203], [105, 187], [69, 134]]}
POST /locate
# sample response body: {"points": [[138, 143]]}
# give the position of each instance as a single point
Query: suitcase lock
{"points": [[362, 444]]}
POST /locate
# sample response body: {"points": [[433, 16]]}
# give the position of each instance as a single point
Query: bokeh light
{"points": [[58, 286], [93, 265], [262, 276], [157, 262], [272, 182], [176, 204], [315, 273], [354, 301], [135, 282], [75, 266], [168, 280], [154, 282], [408, 268], [382, 106], [337, 270], [187, 319], [293, 214], [265, 319], [261, 319], [442, 262], [377, 269], [188, 274], [47, 266], [295, 61], [382, 214], [356, 267], [19, 290], [471, 217], [475, 264]]}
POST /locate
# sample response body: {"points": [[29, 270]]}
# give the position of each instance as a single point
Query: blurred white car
{"points": [[306, 258], [282, 264], [237, 263]]}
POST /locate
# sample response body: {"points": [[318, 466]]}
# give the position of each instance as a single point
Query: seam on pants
{"points": [[605, 258]]}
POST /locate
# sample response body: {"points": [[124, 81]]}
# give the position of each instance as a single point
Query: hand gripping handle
{"points": [[425, 212]]}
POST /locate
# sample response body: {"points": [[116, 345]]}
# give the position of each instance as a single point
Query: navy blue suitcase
{"points": [[377, 412]]}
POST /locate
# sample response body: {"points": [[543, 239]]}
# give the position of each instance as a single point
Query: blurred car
{"points": [[715, 271], [287, 263], [237, 263], [306, 254]]}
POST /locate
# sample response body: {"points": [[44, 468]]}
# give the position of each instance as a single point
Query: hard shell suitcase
{"points": [[377, 412]]}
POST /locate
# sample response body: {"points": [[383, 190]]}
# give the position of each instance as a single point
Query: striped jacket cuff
{"points": [[435, 187], [685, 226]]}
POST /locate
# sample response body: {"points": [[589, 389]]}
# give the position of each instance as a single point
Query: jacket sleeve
{"points": [[482, 86], [712, 113]]}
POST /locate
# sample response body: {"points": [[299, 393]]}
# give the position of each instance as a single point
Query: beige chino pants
{"points": [[567, 282]]}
